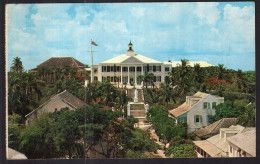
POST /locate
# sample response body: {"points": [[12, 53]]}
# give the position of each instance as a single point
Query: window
{"points": [[167, 69], [138, 69], [154, 78], [104, 78], [197, 118], [206, 105], [112, 69], [132, 69], [108, 68], [108, 78], [154, 68], [95, 70], [118, 69], [145, 68], [125, 69], [112, 79], [104, 68], [150, 68], [158, 78], [214, 105]]}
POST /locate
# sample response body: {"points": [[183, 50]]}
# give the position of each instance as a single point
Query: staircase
{"points": [[137, 109]]}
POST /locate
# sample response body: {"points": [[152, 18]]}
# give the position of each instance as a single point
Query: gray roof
{"points": [[245, 141], [214, 128], [67, 97]]}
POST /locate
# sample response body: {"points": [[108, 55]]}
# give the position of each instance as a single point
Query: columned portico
{"points": [[130, 67]]}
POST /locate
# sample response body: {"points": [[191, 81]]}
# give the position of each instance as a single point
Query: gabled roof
{"points": [[245, 141], [62, 61], [66, 97], [209, 148], [121, 58], [214, 128], [186, 107], [215, 145]]}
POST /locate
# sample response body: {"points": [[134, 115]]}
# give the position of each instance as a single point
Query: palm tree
{"points": [[17, 65], [147, 78], [166, 93], [184, 77], [198, 76], [241, 81]]}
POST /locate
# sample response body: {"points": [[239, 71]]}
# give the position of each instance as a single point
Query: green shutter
{"points": [[204, 105], [200, 118], [208, 105], [195, 119]]}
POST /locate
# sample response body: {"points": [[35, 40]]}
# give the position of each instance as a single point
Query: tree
{"points": [[14, 130], [229, 109], [181, 151], [33, 139], [17, 66], [163, 125], [147, 78], [248, 118], [167, 93]]}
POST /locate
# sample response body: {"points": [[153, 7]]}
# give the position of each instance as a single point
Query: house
{"points": [[57, 62], [128, 68], [195, 111], [214, 128], [243, 144], [60, 62], [61, 100], [219, 145]]}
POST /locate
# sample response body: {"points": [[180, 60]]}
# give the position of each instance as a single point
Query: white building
{"points": [[235, 141], [196, 110], [127, 68]]}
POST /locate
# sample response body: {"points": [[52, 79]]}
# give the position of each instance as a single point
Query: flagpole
{"points": [[91, 62]]}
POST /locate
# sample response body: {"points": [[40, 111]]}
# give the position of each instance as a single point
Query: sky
{"points": [[218, 33]]}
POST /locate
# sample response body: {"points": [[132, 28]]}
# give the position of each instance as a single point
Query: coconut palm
{"points": [[17, 65]]}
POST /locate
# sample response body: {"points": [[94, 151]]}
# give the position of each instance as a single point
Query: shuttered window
{"points": [[197, 118]]}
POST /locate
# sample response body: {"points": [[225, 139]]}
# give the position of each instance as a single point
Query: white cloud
{"points": [[207, 12], [152, 27]]}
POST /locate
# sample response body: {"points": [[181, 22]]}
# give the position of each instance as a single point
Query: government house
{"points": [[127, 69]]}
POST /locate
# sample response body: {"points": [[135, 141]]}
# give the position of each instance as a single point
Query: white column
{"points": [[128, 109], [135, 76], [142, 67], [162, 73], [128, 82], [121, 75]]}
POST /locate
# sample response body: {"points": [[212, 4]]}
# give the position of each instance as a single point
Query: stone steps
{"points": [[138, 113]]}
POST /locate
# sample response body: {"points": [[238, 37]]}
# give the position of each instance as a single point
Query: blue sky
{"points": [[219, 33]]}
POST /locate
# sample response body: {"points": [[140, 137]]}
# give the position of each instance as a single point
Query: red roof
{"points": [[62, 61]]}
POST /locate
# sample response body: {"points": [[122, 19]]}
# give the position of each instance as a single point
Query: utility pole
{"points": [[91, 62], [91, 70]]}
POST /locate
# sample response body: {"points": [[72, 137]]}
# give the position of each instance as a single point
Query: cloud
{"points": [[157, 30], [207, 12]]}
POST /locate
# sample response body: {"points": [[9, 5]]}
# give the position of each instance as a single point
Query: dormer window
{"points": [[206, 105]]}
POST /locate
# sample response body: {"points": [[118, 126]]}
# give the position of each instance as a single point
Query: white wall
{"points": [[197, 109]]}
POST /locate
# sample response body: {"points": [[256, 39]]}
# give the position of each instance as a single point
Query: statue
{"points": [[136, 96]]}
